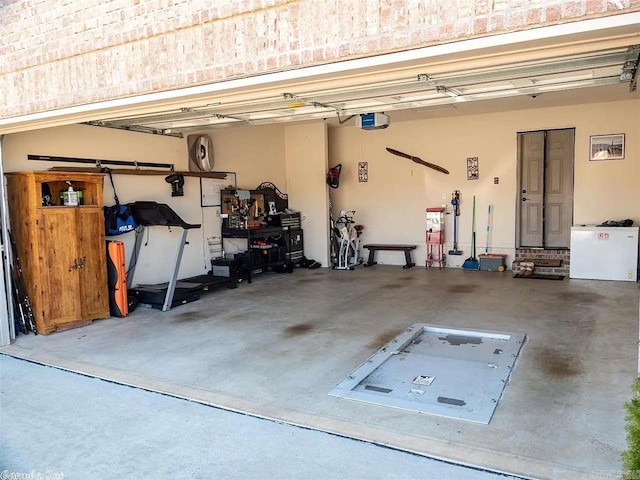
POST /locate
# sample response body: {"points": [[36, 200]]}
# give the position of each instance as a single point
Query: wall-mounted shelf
{"points": [[139, 171]]}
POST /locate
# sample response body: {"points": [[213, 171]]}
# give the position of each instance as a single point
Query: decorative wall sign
{"points": [[606, 147], [363, 171], [472, 168]]}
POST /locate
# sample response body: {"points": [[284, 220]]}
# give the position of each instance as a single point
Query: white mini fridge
{"points": [[604, 253]]}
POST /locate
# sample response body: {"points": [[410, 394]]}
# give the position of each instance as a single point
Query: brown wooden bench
{"points": [[374, 247]]}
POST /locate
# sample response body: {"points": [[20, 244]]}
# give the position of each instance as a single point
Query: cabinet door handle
{"points": [[77, 263]]}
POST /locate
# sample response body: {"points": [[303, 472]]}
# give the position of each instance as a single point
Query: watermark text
{"points": [[31, 475]]}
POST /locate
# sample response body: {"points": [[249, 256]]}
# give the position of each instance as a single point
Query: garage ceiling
{"points": [[417, 93]]}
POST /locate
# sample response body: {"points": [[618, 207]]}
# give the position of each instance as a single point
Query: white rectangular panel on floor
{"points": [[437, 370]]}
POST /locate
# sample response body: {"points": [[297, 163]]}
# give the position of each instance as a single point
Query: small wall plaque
{"points": [[363, 171], [473, 172]]}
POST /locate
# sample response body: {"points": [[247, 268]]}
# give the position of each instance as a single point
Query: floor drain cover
{"points": [[437, 370]]}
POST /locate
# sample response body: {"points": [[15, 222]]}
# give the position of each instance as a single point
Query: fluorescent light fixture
{"points": [[521, 82], [265, 115]]}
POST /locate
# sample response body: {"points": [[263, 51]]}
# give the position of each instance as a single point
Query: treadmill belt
{"points": [[179, 284], [187, 290]]}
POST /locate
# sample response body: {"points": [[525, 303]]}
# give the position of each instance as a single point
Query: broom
{"points": [[471, 263]]}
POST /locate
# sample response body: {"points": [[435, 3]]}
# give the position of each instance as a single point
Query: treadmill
{"points": [[175, 292]]}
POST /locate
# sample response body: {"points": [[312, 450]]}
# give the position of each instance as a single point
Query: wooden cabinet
{"points": [[61, 248]]}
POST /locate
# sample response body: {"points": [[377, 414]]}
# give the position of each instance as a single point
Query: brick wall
{"points": [[57, 53], [538, 254]]}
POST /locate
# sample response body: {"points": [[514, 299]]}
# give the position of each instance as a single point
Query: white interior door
{"points": [[531, 198], [558, 212], [546, 188]]}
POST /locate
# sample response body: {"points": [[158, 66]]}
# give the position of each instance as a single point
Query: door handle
{"points": [[524, 199], [77, 263]]}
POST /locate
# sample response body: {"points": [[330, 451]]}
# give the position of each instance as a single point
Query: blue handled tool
{"points": [[486, 248]]}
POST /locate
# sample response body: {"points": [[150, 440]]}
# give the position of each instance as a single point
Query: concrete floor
{"points": [[126, 433], [276, 347]]}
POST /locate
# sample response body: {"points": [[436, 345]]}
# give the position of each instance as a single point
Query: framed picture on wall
{"points": [[606, 147]]}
